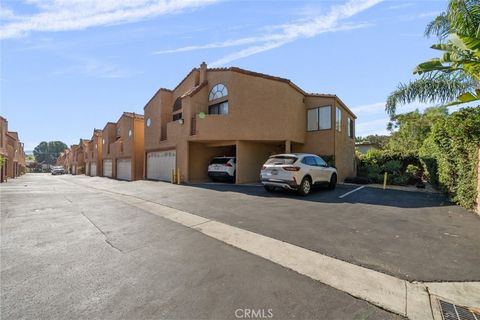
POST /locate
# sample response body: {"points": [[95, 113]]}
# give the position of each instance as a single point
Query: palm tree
{"points": [[456, 73]]}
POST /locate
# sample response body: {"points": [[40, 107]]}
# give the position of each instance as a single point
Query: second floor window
{"points": [[218, 91], [177, 116], [338, 120], [219, 108], [177, 105], [350, 130], [319, 118]]}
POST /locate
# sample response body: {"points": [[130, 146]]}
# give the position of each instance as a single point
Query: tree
{"points": [[409, 130], [456, 73], [380, 140], [48, 152]]}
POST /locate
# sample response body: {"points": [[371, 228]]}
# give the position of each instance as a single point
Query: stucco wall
{"points": [[250, 158], [138, 147], [344, 148], [258, 109]]}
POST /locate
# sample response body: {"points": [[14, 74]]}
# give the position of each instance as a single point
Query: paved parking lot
{"points": [[70, 251], [410, 235]]}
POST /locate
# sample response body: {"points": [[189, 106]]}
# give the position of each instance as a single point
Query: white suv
{"points": [[222, 168], [297, 171]]}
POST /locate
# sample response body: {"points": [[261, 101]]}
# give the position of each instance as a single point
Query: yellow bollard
{"points": [[385, 181], [173, 175], [178, 175]]}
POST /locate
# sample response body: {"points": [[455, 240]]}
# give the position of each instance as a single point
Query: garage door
{"points": [[124, 169], [160, 165], [93, 169], [87, 169], [107, 168], [74, 170]]}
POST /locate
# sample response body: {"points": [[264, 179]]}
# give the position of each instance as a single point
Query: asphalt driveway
{"points": [[71, 252], [410, 235]]}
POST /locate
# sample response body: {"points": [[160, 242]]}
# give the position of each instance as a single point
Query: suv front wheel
{"points": [[305, 186]]}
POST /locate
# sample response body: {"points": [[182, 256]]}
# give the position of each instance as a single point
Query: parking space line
{"points": [[350, 192]]}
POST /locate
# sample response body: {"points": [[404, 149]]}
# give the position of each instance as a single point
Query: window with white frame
{"points": [[218, 91], [219, 108], [338, 119], [319, 118]]}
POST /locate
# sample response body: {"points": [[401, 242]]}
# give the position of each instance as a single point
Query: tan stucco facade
{"points": [[125, 140], [266, 115], [94, 154], [12, 153]]}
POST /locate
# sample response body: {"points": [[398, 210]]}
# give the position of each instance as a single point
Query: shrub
{"points": [[399, 179], [392, 166], [455, 144]]}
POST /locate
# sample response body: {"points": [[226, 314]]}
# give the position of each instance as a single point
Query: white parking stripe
{"points": [[349, 192]]}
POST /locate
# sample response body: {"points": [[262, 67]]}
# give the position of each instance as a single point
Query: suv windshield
{"points": [[281, 160], [219, 160]]}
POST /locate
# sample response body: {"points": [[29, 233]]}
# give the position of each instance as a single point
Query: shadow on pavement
{"points": [[367, 195]]}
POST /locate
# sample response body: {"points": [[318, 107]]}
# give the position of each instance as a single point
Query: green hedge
{"points": [[449, 155]]}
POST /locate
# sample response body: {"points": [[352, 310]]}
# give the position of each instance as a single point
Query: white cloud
{"points": [[400, 6], [430, 14], [279, 35], [96, 68], [373, 108], [64, 15]]}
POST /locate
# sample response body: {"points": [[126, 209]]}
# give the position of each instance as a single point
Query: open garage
{"points": [[250, 157], [202, 153]]}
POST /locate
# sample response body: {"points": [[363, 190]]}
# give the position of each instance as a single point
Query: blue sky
{"points": [[68, 66]]}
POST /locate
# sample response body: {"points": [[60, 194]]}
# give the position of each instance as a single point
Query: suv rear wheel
{"points": [[333, 181], [305, 186], [269, 188]]}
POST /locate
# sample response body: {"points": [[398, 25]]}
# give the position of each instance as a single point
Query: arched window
{"points": [[218, 91], [178, 104]]}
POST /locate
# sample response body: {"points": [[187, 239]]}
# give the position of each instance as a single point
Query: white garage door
{"points": [[160, 165], [87, 169], [93, 169], [124, 169], [107, 168]]}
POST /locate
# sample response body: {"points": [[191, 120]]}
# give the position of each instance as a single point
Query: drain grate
{"points": [[454, 312]]}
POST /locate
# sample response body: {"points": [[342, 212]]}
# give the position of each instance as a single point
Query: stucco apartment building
{"points": [[93, 155], [11, 151], [78, 157], [123, 147], [235, 112]]}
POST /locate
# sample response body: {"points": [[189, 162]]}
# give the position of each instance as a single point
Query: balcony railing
{"points": [[193, 126]]}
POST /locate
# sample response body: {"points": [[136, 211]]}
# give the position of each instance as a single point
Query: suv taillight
{"points": [[291, 168], [228, 164]]}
